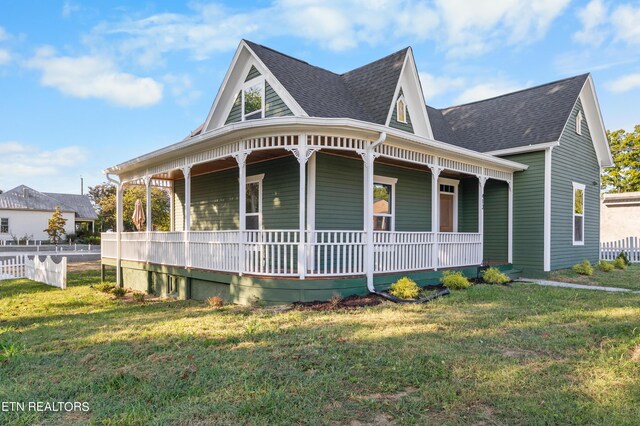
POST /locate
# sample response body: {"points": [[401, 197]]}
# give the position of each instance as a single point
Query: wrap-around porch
{"points": [[313, 249]]}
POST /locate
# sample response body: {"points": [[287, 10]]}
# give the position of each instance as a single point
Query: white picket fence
{"points": [[630, 245], [46, 272]]}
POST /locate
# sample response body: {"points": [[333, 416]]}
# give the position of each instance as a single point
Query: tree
{"points": [[55, 230], [104, 197], [625, 149]]}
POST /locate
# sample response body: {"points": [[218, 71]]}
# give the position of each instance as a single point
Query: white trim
{"points": [[547, 209], [510, 223], [311, 205], [385, 180], [404, 110], [455, 183], [579, 120], [582, 187], [524, 149], [256, 179]]}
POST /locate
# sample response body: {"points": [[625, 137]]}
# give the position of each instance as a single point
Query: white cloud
{"points": [[24, 161], [4, 35], [94, 77], [593, 17], [625, 83], [5, 56], [433, 86], [181, 87], [68, 8], [626, 19], [488, 90]]}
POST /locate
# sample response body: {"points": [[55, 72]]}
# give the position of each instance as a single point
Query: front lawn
{"points": [[488, 355], [628, 278]]}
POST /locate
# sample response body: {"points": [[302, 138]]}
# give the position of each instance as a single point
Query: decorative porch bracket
{"points": [[241, 159], [186, 171], [435, 213]]}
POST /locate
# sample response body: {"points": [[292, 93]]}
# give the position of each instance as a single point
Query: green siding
{"points": [[274, 105], [574, 160], [496, 221], [235, 114], [407, 127], [413, 197], [253, 73], [528, 214], [468, 205], [339, 193], [214, 197]]}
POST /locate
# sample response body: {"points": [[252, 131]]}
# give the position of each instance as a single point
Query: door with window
{"points": [[448, 198]]}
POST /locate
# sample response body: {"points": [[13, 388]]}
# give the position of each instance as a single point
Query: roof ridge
{"points": [[290, 57], [515, 92], [377, 60]]}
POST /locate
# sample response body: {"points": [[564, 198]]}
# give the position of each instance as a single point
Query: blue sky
{"points": [[86, 85]]}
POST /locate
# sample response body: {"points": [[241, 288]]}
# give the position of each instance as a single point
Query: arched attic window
{"points": [[401, 110], [579, 123]]}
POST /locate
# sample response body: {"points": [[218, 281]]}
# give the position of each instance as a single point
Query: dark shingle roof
{"points": [[24, 198], [527, 117], [363, 94]]}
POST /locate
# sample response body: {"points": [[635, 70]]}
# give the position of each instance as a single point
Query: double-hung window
{"points": [[253, 100], [254, 202], [4, 225], [383, 203], [578, 214]]}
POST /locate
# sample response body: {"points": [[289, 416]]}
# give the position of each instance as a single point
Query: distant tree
{"points": [[625, 149], [1, 191], [104, 198], [55, 230]]}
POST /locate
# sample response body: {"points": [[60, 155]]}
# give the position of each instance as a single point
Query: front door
{"points": [[446, 212]]}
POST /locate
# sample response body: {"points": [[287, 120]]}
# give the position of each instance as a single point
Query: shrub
{"points": [[605, 266], [454, 280], [583, 268], [138, 297], [104, 287], [494, 276], [620, 263], [624, 257], [119, 291], [405, 288], [215, 302]]}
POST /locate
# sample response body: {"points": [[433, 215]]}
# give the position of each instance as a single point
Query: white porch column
{"points": [[302, 153], [311, 209], [435, 214], [119, 229], [172, 206], [510, 223], [147, 183], [482, 180], [241, 159], [186, 171]]}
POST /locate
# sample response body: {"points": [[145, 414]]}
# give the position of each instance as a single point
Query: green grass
{"points": [[628, 278], [491, 354]]}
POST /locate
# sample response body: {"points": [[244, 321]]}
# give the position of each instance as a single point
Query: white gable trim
{"points": [[233, 81], [409, 82]]}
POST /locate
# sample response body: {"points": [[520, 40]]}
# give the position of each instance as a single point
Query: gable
{"points": [[245, 70], [593, 119]]}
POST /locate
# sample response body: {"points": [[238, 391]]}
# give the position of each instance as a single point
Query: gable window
{"points": [[401, 110], [4, 225], [252, 101], [579, 123], [254, 202], [383, 203], [578, 214]]}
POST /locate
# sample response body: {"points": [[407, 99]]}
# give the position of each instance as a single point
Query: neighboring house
{"points": [[303, 183], [619, 216], [25, 213]]}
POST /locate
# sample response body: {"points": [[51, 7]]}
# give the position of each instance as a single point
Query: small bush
{"points": [[104, 287], [405, 288], [619, 263], [454, 280], [138, 297], [624, 257], [119, 291], [494, 276], [215, 302], [605, 266], [583, 268]]}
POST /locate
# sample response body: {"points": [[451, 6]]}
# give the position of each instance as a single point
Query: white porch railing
{"points": [[275, 253], [611, 249]]}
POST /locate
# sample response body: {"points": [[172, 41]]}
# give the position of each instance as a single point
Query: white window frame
{"points": [[583, 187], [256, 179], [404, 110], [7, 219], [260, 80], [455, 183], [385, 180], [579, 120]]}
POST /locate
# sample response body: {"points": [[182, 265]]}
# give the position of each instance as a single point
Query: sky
{"points": [[85, 85]]}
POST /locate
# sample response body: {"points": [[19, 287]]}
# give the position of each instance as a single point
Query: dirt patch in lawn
{"points": [[635, 354], [92, 265], [351, 302]]}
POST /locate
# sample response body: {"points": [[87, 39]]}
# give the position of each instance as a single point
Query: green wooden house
{"points": [[303, 183]]}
